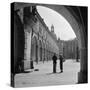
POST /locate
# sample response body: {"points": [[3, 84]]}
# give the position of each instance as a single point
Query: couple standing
{"points": [[54, 58]]}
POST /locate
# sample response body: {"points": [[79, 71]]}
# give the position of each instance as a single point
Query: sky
{"points": [[62, 28]]}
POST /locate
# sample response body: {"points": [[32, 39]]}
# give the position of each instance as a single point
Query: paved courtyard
{"points": [[45, 77]]}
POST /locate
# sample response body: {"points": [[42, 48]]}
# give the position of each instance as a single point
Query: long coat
{"points": [[54, 58], [61, 62]]}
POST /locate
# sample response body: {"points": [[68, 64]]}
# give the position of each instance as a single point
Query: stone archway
{"points": [[78, 21]]}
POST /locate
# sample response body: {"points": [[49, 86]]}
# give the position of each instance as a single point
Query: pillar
{"points": [[47, 54], [83, 74], [27, 50], [38, 53], [43, 55], [18, 42]]}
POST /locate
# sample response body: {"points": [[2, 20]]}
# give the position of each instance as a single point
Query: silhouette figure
{"points": [[54, 58], [61, 63]]}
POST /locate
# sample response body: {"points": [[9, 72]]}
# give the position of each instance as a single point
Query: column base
{"points": [[26, 64], [82, 77]]}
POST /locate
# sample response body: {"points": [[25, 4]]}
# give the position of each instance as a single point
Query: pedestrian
{"points": [[61, 63], [54, 58]]}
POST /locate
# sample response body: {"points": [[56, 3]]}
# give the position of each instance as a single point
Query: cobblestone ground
{"points": [[45, 77]]}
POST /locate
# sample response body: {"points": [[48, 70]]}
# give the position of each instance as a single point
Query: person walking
{"points": [[61, 63], [54, 58]]}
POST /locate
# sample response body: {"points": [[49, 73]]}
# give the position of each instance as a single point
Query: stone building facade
{"points": [[40, 43], [69, 49]]}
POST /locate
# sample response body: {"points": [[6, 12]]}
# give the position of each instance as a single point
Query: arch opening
{"points": [[79, 31]]}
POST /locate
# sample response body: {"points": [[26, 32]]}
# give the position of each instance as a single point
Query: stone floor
{"points": [[43, 75]]}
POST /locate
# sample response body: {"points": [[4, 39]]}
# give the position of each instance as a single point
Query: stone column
{"points": [[34, 57], [47, 55], [83, 74], [38, 53], [43, 55], [27, 50]]}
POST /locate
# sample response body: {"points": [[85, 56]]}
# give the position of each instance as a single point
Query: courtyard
{"points": [[42, 74]]}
